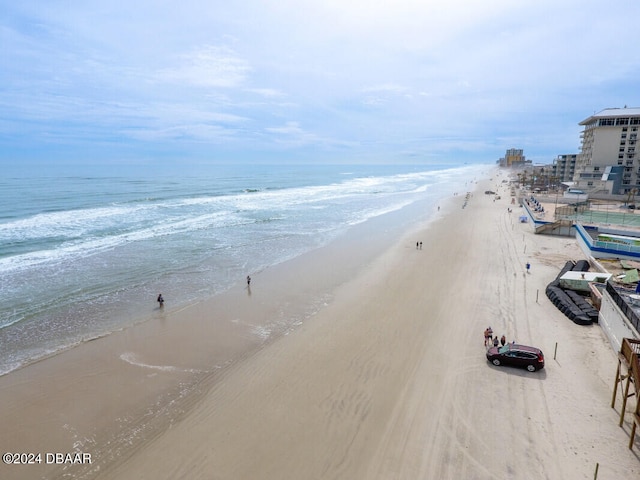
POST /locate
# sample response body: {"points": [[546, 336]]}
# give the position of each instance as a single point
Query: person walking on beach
{"points": [[420, 245], [417, 245], [248, 281], [495, 341], [487, 336], [160, 300], [503, 340], [528, 267]]}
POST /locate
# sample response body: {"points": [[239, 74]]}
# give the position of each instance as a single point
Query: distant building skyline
{"points": [[513, 157], [607, 162]]}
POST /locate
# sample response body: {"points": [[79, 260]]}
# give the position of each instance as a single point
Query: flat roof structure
{"points": [[612, 113]]}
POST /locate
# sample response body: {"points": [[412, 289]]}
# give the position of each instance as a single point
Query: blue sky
{"points": [[329, 81]]}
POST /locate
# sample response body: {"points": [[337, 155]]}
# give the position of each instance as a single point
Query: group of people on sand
{"points": [[490, 340]]}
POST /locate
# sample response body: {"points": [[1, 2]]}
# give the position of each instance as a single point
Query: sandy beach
{"points": [[386, 380]]}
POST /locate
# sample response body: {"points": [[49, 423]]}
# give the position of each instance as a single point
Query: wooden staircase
{"points": [[557, 225]]}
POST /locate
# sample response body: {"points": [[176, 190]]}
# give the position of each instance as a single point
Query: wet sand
{"points": [[386, 379]]}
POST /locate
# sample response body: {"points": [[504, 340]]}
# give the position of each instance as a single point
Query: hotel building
{"points": [[608, 162]]}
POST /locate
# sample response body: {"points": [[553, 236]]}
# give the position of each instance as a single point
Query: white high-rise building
{"points": [[608, 162]]}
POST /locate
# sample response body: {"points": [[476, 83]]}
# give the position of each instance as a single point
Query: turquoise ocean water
{"points": [[85, 255]]}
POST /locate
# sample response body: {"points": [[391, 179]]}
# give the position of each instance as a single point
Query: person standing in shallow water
{"points": [[160, 300]]}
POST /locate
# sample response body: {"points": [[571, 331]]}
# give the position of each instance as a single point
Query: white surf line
{"points": [[132, 359]]}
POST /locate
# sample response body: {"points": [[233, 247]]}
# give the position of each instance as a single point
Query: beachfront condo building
{"points": [[607, 162], [564, 167], [514, 157]]}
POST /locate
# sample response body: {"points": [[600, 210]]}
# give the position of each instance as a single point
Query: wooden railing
{"points": [[630, 347], [630, 353]]}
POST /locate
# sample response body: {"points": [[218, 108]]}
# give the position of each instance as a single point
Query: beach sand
{"points": [[388, 379]]}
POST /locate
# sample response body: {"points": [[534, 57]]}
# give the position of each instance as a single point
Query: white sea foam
{"points": [[133, 359], [82, 247]]}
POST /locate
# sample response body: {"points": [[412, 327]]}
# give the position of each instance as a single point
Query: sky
{"points": [[327, 81]]}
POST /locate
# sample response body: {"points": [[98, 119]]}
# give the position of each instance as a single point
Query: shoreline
{"points": [[165, 363], [388, 379], [27, 343]]}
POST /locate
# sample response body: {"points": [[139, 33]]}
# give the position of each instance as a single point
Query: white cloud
{"points": [[290, 128], [291, 134], [385, 88], [267, 92], [379, 75], [184, 133], [208, 66]]}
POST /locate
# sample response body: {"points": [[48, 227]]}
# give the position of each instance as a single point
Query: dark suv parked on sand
{"points": [[530, 358]]}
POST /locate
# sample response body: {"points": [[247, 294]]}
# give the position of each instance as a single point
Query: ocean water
{"points": [[85, 255]]}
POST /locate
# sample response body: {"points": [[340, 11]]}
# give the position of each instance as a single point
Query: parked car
{"points": [[515, 355], [489, 192]]}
